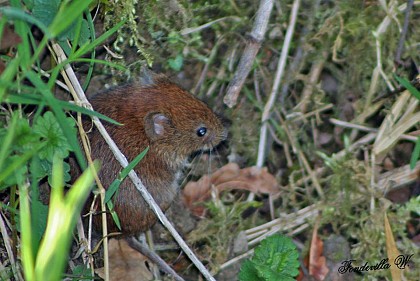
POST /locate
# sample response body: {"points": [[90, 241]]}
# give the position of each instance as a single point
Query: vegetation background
{"points": [[324, 109]]}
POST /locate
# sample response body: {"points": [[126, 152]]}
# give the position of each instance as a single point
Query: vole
{"points": [[158, 114]]}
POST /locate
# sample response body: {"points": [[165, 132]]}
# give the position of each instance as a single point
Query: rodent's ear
{"points": [[156, 125], [148, 78]]}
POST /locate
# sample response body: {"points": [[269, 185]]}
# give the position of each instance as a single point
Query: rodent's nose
{"points": [[209, 138]]}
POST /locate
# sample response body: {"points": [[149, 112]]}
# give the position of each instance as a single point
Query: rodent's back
{"points": [[168, 120]]}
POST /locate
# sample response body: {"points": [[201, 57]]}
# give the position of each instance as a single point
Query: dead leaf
{"points": [[9, 38], [195, 192], [317, 262], [230, 176], [391, 249], [125, 263]]}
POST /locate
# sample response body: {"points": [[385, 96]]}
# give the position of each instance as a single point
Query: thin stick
{"points": [[136, 245], [279, 74], [366, 129], [136, 180], [13, 264], [274, 91], [253, 45], [404, 31], [75, 88]]}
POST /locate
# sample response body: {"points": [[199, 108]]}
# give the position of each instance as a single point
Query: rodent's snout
{"points": [[209, 138], [214, 138]]}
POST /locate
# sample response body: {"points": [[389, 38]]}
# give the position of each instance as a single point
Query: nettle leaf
{"points": [[24, 136], [44, 169], [267, 273], [275, 259], [248, 272], [50, 131]]}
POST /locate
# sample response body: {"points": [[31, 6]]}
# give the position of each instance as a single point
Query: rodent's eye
{"points": [[201, 131]]}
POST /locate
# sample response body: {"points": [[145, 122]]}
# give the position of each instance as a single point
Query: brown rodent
{"points": [[161, 115]]}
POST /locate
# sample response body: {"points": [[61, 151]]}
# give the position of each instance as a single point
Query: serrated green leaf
{"points": [[82, 273], [248, 272], [268, 274], [40, 169], [276, 259], [60, 115], [50, 131]]}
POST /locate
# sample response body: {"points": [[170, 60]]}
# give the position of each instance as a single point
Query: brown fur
{"points": [[164, 117]]}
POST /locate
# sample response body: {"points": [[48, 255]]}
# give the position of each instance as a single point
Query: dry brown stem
{"points": [[253, 45]]}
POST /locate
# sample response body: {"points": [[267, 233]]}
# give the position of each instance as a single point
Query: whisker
{"points": [[217, 157], [192, 167]]}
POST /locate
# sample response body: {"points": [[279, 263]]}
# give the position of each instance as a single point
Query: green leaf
{"points": [[60, 115], [16, 13], [275, 259], [8, 75], [18, 162], [408, 86], [37, 100], [88, 47], [45, 10], [415, 155], [112, 189], [176, 64], [82, 273], [267, 273], [18, 170], [50, 131], [7, 140], [62, 217], [248, 272], [39, 217], [67, 14], [123, 174], [114, 215], [25, 138]]}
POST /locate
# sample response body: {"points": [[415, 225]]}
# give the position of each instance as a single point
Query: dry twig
{"points": [[251, 50]]}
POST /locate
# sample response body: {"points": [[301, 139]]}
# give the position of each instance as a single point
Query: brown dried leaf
{"points": [[391, 249], [125, 263], [228, 177], [9, 38], [259, 180], [196, 192], [317, 262]]}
